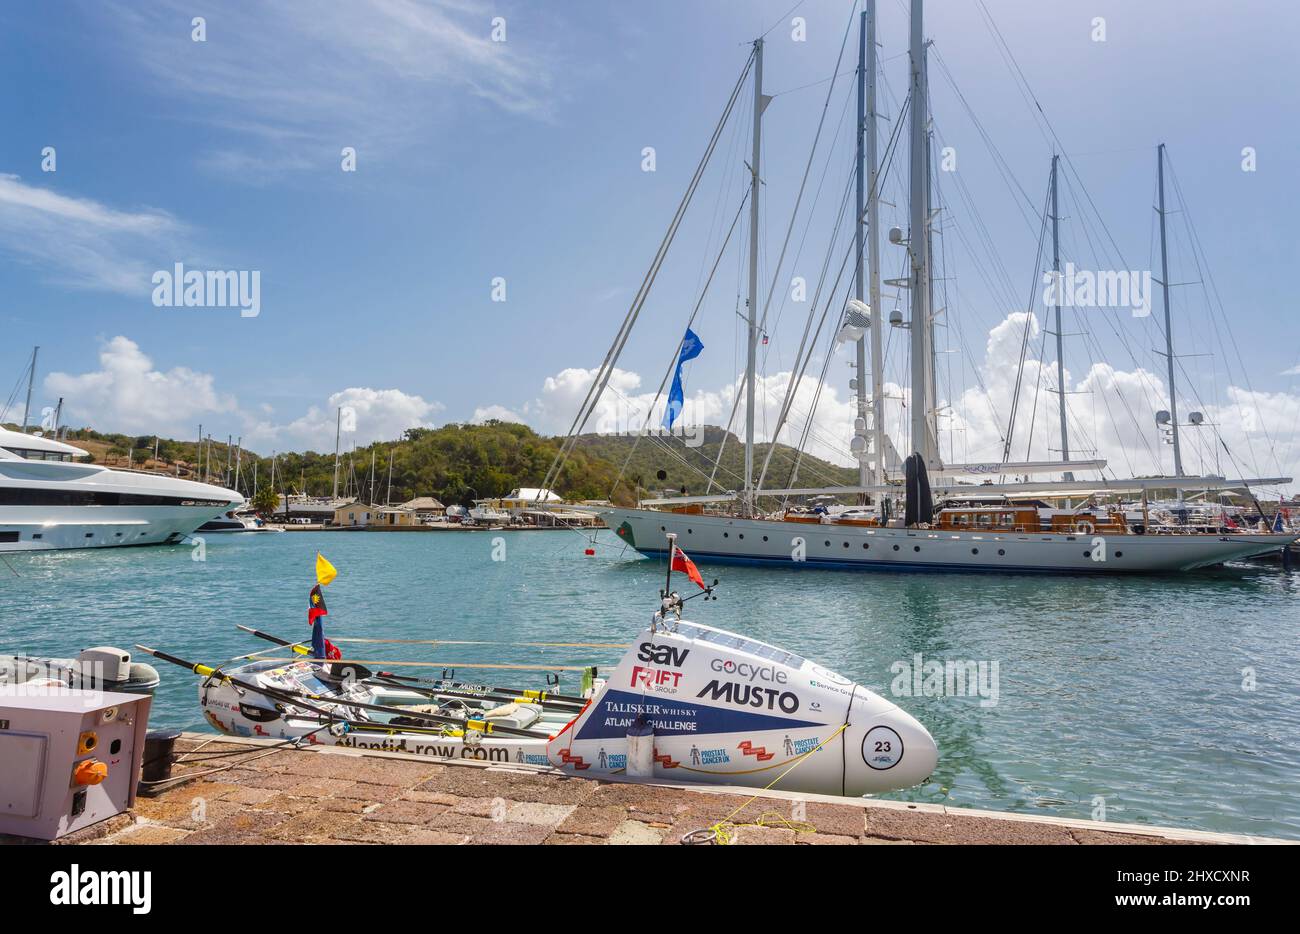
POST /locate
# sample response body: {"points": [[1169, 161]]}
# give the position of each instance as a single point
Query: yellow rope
{"points": [[723, 828]]}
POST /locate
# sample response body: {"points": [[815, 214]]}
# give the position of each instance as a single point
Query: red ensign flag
{"points": [[687, 566]]}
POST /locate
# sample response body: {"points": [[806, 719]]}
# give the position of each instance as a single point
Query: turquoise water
{"points": [[1128, 689]]}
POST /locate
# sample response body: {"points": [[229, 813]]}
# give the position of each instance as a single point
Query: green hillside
{"points": [[458, 463]]}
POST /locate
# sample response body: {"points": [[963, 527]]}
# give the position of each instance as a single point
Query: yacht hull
{"points": [[97, 526], [47, 505], [730, 539]]}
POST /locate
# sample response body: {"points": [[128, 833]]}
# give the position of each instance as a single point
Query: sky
{"points": [[386, 171]]}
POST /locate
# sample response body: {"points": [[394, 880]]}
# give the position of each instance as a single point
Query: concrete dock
{"points": [[259, 792]]}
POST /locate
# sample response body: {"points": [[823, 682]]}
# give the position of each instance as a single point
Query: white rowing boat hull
{"points": [[724, 709]]}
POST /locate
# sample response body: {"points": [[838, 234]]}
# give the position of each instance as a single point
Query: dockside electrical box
{"points": [[68, 758]]}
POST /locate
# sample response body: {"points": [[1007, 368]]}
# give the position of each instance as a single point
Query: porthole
{"points": [[895, 548], [846, 544], [663, 528], [726, 535], [690, 531], [1002, 551], [828, 543], [866, 545], [916, 547], [974, 551], [764, 538], [1119, 554], [741, 535]]}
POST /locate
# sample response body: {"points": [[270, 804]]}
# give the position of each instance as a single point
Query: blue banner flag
{"points": [[691, 347]]}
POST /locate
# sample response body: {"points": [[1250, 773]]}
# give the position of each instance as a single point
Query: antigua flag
{"points": [[687, 567], [320, 646], [691, 347]]}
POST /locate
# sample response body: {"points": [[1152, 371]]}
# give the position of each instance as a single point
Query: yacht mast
{"points": [[338, 426], [859, 287], [1169, 333], [918, 243], [1060, 341], [31, 378], [873, 252], [747, 503]]}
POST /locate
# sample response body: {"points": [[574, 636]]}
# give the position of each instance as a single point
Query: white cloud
{"points": [[128, 394], [299, 81], [1111, 415], [376, 415], [81, 242]]}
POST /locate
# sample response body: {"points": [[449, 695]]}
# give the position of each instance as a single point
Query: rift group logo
{"points": [[659, 680], [104, 887]]}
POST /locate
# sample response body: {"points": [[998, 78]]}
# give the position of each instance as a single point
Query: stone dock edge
{"points": [[259, 791]]}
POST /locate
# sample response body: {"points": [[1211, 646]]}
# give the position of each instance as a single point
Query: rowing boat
{"points": [[686, 702]]}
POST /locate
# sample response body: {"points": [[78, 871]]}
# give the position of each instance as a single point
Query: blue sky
{"points": [[523, 159]]}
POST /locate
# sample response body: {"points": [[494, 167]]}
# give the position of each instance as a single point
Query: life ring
{"points": [[1085, 527]]}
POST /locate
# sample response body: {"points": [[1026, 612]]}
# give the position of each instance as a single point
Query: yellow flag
{"points": [[325, 572]]}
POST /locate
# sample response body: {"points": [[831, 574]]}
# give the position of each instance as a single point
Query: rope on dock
{"points": [[721, 833]]}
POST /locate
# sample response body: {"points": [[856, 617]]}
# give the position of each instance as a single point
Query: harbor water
{"points": [[1160, 700]]}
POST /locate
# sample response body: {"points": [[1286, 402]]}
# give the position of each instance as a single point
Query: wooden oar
{"points": [[555, 702], [296, 697]]}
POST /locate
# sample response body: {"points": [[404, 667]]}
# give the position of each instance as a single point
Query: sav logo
{"points": [[656, 679], [662, 654], [749, 672], [75, 887], [748, 695]]}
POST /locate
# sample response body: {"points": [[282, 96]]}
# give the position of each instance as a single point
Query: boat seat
{"points": [[518, 716]]}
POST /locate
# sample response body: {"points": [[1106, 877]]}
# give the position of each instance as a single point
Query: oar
{"points": [[295, 697], [554, 703], [540, 645], [515, 694]]}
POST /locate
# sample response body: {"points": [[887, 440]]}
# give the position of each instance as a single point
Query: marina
{"points": [[1109, 694], [908, 391]]}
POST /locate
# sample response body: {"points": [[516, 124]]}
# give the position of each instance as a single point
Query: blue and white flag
{"points": [[1278, 524], [691, 348]]}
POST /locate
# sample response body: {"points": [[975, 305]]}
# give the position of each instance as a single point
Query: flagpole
{"points": [[672, 550]]}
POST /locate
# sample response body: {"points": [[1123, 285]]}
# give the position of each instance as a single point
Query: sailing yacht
{"points": [[49, 500], [1002, 537]]}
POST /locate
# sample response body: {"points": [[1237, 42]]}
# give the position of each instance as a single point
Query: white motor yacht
{"points": [[50, 500]]}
